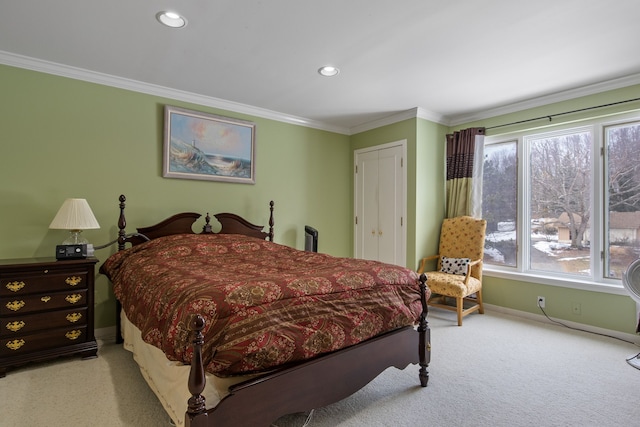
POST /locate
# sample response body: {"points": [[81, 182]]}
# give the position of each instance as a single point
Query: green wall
{"points": [[64, 138], [404, 130], [604, 310], [425, 179], [430, 187], [425, 205]]}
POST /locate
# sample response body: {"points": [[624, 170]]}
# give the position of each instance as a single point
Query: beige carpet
{"points": [[496, 370]]}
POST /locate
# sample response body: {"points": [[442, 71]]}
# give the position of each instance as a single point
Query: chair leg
{"points": [[459, 305], [479, 298]]}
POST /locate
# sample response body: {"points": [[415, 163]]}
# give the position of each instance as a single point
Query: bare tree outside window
{"points": [[580, 202], [560, 188]]}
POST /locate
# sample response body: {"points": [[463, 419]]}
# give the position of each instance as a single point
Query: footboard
{"points": [[312, 384]]}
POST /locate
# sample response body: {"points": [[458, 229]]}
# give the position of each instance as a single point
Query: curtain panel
{"points": [[465, 158]]}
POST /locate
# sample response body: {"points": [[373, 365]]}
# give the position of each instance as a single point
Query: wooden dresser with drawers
{"points": [[46, 310]]}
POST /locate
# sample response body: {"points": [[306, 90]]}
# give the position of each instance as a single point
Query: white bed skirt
{"points": [[168, 379]]}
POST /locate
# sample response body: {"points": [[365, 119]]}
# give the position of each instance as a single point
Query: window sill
{"points": [[615, 287]]}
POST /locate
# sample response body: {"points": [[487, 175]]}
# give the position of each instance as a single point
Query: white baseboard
{"points": [[587, 328]]}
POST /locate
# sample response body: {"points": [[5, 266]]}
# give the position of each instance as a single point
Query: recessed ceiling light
{"points": [[328, 71], [171, 19]]}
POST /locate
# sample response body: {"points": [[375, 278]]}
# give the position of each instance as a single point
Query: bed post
{"points": [[196, 415], [424, 332], [271, 221], [122, 224]]}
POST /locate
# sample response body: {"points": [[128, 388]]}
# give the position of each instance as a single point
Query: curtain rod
{"points": [[550, 116]]}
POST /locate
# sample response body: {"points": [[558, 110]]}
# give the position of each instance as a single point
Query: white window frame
{"points": [[521, 272]]}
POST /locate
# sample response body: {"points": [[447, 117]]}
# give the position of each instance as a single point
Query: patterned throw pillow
{"points": [[455, 265]]}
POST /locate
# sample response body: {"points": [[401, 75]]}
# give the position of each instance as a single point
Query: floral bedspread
{"points": [[264, 304]]}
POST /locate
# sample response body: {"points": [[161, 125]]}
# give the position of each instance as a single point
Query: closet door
{"points": [[390, 197], [367, 206], [379, 205]]}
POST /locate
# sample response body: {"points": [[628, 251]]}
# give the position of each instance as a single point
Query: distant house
{"points": [[624, 227]]}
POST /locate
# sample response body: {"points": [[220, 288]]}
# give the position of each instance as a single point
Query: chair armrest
{"points": [[424, 260], [474, 262], [471, 264]]}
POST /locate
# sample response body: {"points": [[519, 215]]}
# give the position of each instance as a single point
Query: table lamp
{"points": [[74, 215]]}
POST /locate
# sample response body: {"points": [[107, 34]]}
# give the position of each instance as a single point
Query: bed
{"points": [[232, 329]]}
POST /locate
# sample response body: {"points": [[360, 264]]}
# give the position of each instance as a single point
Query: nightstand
{"points": [[46, 310]]}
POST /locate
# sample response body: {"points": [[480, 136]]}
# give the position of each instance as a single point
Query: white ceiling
{"points": [[451, 60]]}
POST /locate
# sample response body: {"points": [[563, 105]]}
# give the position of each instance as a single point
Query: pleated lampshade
{"points": [[74, 215]]}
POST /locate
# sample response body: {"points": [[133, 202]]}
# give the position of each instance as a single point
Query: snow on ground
{"points": [[546, 244]]}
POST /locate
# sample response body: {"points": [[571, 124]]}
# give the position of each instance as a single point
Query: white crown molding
{"points": [[566, 95], [387, 120], [47, 67], [412, 113], [432, 117], [418, 112]]}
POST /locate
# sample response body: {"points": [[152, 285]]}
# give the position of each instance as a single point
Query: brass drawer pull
{"points": [[73, 280], [73, 298], [15, 305], [74, 317], [15, 344], [15, 286], [15, 326], [45, 299], [73, 335]]}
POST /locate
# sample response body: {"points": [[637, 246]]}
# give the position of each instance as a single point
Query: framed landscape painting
{"points": [[208, 147]]}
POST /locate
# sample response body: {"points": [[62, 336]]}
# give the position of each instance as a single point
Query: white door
{"points": [[380, 203]]}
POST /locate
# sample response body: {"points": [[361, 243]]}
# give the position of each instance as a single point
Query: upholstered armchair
{"points": [[459, 266]]}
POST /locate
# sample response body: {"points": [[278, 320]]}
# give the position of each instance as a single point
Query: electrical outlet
{"points": [[575, 308], [540, 302]]}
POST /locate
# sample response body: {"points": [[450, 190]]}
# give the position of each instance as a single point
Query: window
{"points": [[559, 201], [499, 202], [565, 203], [622, 199]]}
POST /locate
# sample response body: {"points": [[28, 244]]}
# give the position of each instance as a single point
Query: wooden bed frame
{"points": [[299, 387]]}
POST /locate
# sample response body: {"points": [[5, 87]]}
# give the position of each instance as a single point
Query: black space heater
{"points": [[310, 239]]}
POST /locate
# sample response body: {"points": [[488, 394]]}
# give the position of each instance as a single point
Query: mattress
{"points": [[168, 379]]}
